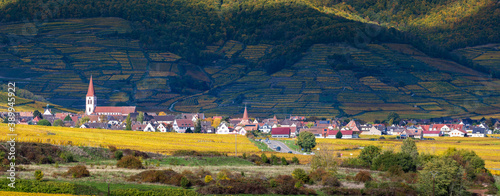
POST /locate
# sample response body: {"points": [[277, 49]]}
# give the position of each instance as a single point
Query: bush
{"points": [[185, 183], [118, 155], [112, 148], [274, 160], [295, 160], [154, 192], [78, 171], [38, 175], [208, 179], [158, 176], [300, 175], [317, 174], [369, 153], [389, 159], [283, 161], [34, 186], [285, 185], [244, 156], [353, 163], [67, 156], [264, 158], [330, 181], [129, 162], [363, 176]]}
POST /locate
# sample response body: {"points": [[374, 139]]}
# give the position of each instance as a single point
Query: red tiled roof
{"points": [[334, 132], [184, 122], [425, 127], [431, 132], [90, 92], [111, 109], [280, 131]]}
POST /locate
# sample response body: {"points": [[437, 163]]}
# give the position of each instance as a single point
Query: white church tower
{"points": [[91, 99]]}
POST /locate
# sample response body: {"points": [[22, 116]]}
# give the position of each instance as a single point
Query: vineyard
{"points": [[327, 80]]}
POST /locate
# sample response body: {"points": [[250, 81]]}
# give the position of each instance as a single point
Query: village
{"points": [[128, 118]]}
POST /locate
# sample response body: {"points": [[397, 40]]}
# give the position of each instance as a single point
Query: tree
{"points": [[128, 122], [68, 118], [324, 159], [162, 114], [368, 153], [188, 130], [6, 120], [216, 122], [44, 122], [197, 129], [338, 135], [393, 118], [84, 120], [264, 158], [140, 117], [409, 147], [307, 141], [37, 113], [446, 180], [310, 124], [59, 123]]}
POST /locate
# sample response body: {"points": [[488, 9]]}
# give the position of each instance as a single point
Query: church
{"points": [[92, 108]]}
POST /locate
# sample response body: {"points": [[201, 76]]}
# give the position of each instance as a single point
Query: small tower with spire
{"points": [[91, 99]]}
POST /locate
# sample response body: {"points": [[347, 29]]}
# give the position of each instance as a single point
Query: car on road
{"points": [[278, 148], [290, 152]]}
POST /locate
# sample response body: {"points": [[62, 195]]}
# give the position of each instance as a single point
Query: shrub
{"points": [[353, 163], [66, 156], [118, 155], [264, 158], [295, 160], [317, 174], [369, 153], [285, 185], [363, 176], [224, 174], [330, 181], [185, 183], [274, 160], [326, 160], [38, 175], [208, 179], [283, 161], [236, 186], [153, 192], [244, 155], [298, 184], [300, 175], [112, 148], [168, 176], [129, 162], [78, 171], [34, 186]]}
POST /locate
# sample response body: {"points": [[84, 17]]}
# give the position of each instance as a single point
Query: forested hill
{"points": [[211, 56]]}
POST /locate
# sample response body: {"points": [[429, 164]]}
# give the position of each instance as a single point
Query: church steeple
{"points": [[91, 99], [90, 92], [245, 114]]}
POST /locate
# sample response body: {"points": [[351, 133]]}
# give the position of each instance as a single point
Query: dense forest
{"points": [[187, 27]]}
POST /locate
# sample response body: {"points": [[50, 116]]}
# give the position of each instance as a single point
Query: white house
{"points": [[456, 133], [222, 128], [181, 125], [162, 128], [266, 128], [149, 128], [478, 132], [372, 131]]}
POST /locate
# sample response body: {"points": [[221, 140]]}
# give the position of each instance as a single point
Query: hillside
{"points": [[26, 101], [281, 57]]}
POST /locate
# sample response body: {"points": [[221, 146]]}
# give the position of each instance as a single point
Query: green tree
{"points": [[447, 179], [197, 129], [264, 158], [307, 141], [128, 122], [68, 118], [37, 113], [6, 120], [84, 120], [338, 135], [310, 124], [44, 122], [140, 117], [300, 175], [188, 130], [283, 161], [393, 118], [38, 175], [368, 153], [59, 123], [410, 147]]}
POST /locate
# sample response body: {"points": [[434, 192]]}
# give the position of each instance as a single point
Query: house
{"points": [[223, 128], [138, 126], [95, 125], [431, 133], [239, 130], [394, 130], [345, 134], [372, 131], [149, 128], [169, 119], [457, 133], [317, 132], [365, 127], [91, 107], [181, 125], [478, 132], [280, 132], [25, 114], [162, 127], [193, 116], [265, 127], [206, 127]]}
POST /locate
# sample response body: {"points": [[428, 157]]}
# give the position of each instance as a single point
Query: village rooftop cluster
{"points": [[128, 118]]}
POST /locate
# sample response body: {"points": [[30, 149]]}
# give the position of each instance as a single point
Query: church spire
{"points": [[90, 92], [245, 114]]}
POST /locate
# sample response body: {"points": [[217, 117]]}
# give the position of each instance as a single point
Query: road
{"points": [[284, 148]]}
